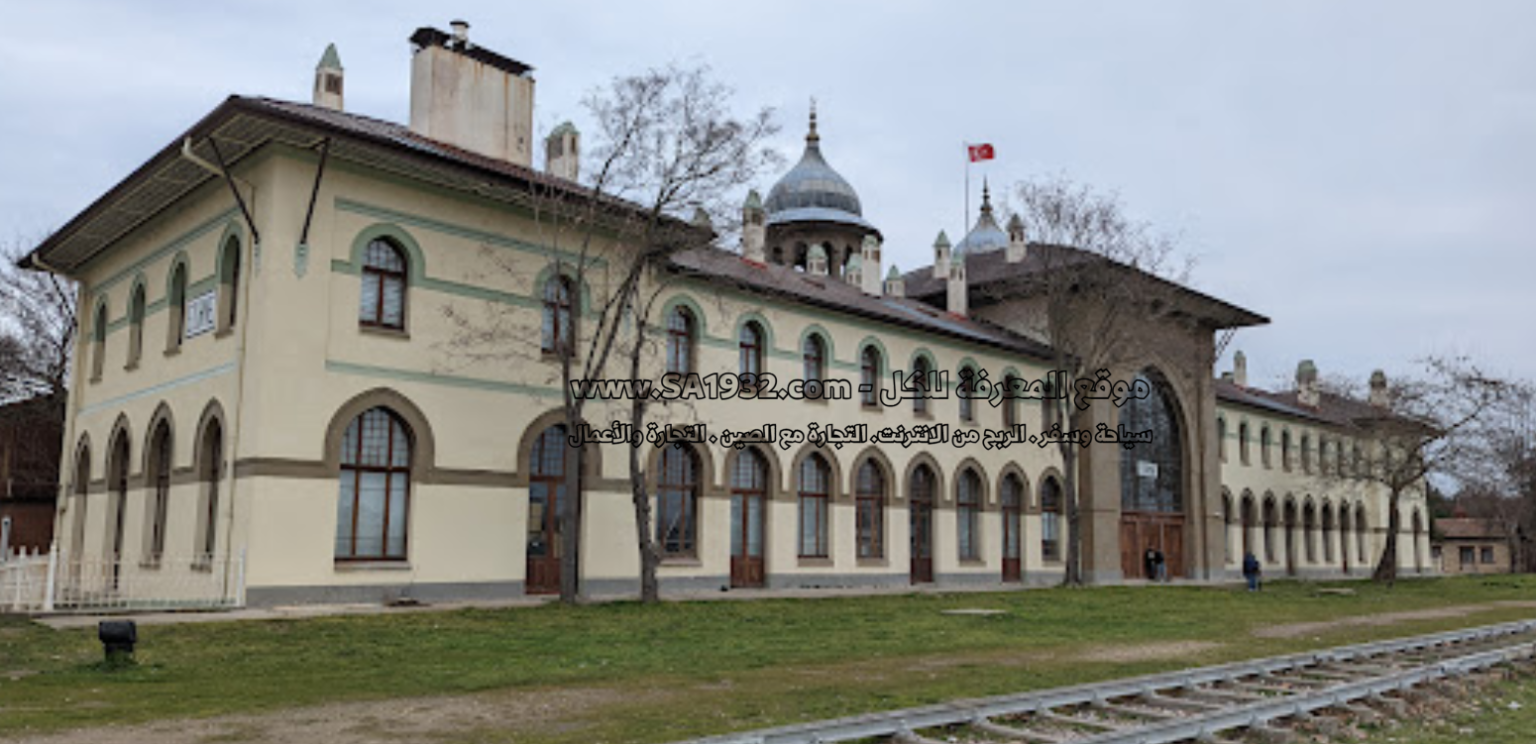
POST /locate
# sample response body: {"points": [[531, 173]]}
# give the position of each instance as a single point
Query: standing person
{"points": [[1251, 571], [1149, 564], [1160, 563]]}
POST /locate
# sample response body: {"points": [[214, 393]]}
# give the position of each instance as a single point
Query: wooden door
{"points": [[1140, 531], [747, 539], [921, 512], [545, 494]]}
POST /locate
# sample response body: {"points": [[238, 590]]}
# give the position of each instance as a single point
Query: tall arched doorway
{"points": [[1152, 482]]}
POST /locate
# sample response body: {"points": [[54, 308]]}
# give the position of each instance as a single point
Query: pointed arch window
{"points": [[176, 306], [870, 509], [967, 384], [372, 508], [382, 301], [135, 326], [99, 342], [1012, 500], [814, 495], [210, 458], [680, 341], [869, 376], [160, 495], [750, 344], [557, 323], [677, 496], [921, 371], [1050, 520], [1009, 406], [813, 352], [229, 284], [968, 514]]}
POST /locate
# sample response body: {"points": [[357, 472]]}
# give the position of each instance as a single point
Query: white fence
{"points": [[49, 583]]}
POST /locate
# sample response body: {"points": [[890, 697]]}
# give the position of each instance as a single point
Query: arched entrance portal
{"points": [[1152, 483]]}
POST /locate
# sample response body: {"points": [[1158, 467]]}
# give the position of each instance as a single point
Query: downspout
{"points": [[239, 404]]}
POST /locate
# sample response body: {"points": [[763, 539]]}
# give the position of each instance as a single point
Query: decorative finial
{"points": [[986, 197], [812, 136]]}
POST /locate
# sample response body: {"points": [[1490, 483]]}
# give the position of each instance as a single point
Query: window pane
{"points": [[370, 514], [397, 516], [394, 302], [368, 305], [344, 504]]}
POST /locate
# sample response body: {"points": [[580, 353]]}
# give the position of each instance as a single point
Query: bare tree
{"points": [[669, 147], [1440, 422], [1500, 482], [1098, 277], [37, 329]]}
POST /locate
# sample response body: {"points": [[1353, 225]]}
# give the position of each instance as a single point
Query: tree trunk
{"points": [[1072, 574], [1386, 568], [650, 591], [570, 522]]}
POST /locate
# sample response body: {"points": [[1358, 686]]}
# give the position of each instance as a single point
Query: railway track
{"points": [[1190, 705]]}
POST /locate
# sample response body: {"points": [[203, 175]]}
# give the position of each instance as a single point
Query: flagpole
{"points": [[966, 217]]}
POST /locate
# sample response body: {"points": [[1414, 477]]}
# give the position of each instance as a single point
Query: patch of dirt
{"points": [[1296, 630], [1122, 654], [398, 720]]}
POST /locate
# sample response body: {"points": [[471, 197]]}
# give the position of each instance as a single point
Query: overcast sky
{"points": [[1362, 173]]}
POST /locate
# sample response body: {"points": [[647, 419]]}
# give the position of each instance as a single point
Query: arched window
{"points": [[384, 282], [176, 307], [1010, 408], [871, 510], [1226, 526], [1012, 498], [1221, 438], [677, 502], [371, 510], [751, 345], [1050, 520], [117, 508], [869, 376], [1152, 474], [557, 330], [967, 384], [546, 493], [135, 326], [749, 489], [814, 352], [1242, 442], [920, 373], [1309, 532], [82, 488], [921, 490], [1360, 533], [1285, 450], [814, 495], [160, 497], [1264, 441], [229, 284], [1306, 453], [99, 341], [1269, 530], [210, 458], [1356, 462], [968, 514], [1327, 533], [680, 335]]}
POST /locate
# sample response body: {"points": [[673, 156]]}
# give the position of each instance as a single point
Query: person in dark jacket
{"points": [[1251, 571], [1160, 565], [1149, 564]]}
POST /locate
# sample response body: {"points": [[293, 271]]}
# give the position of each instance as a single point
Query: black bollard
{"points": [[117, 639]]}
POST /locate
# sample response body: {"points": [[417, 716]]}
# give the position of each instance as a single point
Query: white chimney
{"points": [[328, 80], [1307, 391], [895, 286], [1018, 242], [956, 290], [562, 152], [941, 256], [471, 97], [1379, 395], [1240, 369], [870, 251], [754, 228]]}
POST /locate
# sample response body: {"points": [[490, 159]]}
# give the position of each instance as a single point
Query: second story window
{"points": [[135, 326], [1264, 446], [384, 282], [967, 383], [556, 327], [1242, 442], [1010, 409], [229, 284], [99, 341], [679, 341], [869, 376], [920, 371], [1221, 438], [176, 305], [751, 345], [814, 353]]}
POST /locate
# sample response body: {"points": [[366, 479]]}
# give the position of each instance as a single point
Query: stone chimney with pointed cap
{"points": [[869, 252], [1307, 391], [895, 286], [957, 294], [1380, 396], [816, 261], [1240, 369], [1018, 242], [328, 80], [562, 152], [941, 256], [754, 229], [853, 271]]}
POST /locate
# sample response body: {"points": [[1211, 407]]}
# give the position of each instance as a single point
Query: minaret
{"points": [[941, 256], [754, 229], [870, 251], [1018, 243], [328, 78]]}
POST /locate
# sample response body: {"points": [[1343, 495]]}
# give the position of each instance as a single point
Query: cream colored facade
{"points": [[284, 381]]}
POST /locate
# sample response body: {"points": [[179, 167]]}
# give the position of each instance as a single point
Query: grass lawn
{"points": [[696, 668], [1505, 715]]}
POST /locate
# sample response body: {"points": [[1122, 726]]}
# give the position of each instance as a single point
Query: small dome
{"points": [[817, 253], [986, 235], [855, 262], [813, 192]]}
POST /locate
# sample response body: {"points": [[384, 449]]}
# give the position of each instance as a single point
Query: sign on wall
{"points": [[1146, 468], [201, 313]]}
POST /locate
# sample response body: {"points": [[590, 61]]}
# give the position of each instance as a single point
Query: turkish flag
{"points": [[980, 152]]}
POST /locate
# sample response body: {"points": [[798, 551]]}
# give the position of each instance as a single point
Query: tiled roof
{"points": [[727, 268], [1470, 528]]}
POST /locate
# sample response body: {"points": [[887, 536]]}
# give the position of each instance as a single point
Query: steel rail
{"points": [[902, 723]]}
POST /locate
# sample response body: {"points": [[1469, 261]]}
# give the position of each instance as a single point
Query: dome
{"points": [[813, 192], [986, 235]]}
